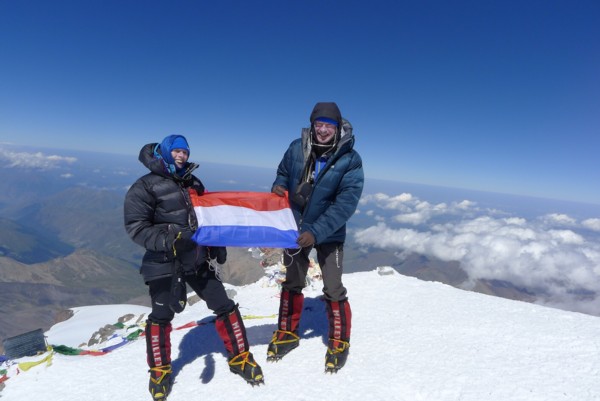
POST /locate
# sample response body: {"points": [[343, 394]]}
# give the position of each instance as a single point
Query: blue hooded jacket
{"points": [[163, 151], [335, 192]]}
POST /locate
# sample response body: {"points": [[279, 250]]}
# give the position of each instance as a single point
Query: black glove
{"points": [[219, 253], [199, 188], [183, 242]]}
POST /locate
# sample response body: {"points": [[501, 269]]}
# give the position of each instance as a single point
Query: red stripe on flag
{"points": [[261, 201]]}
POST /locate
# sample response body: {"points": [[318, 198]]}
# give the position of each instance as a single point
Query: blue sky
{"points": [[499, 96]]}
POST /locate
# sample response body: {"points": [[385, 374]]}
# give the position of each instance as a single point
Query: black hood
{"points": [[327, 110], [152, 163]]}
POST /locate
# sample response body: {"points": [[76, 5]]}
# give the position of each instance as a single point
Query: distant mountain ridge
{"points": [[34, 294], [84, 218], [63, 243], [28, 245]]}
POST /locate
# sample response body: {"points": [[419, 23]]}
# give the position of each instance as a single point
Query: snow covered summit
{"points": [[411, 340]]}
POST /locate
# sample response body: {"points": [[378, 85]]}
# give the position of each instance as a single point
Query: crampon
{"points": [[244, 365], [336, 356], [160, 382], [281, 344]]}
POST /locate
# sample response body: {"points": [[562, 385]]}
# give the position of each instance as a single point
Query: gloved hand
{"points": [[198, 188], [279, 190], [306, 239], [219, 253], [183, 242]]}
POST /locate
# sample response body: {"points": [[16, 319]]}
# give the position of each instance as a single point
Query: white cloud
{"points": [[592, 224], [566, 237], [33, 160], [552, 253], [414, 218], [559, 219], [414, 211]]}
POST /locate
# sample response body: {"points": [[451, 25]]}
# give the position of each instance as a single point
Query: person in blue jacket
{"points": [[323, 176]]}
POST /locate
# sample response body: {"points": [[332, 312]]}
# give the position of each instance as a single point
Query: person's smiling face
{"points": [[180, 156], [324, 132]]}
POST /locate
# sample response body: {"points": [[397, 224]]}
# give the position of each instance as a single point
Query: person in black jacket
{"points": [[323, 176], [159, 216]]}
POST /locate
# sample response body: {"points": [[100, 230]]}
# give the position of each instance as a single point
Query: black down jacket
{"points": [[157, 207]]}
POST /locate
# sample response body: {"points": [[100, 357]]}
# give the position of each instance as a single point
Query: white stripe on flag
{"points": [[225, 215]]}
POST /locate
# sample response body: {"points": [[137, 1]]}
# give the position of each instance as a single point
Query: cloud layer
{"points": [[554, 255], [11, 159]]}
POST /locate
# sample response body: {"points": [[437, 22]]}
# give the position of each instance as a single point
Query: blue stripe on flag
{"points": [[246, 236]]}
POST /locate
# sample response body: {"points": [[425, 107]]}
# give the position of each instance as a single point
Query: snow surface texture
{"points": [[411, 340]]}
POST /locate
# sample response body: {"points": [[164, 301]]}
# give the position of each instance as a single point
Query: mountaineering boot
{"points": [[160, 382], [339, 315], [336, 356], [286, 338], [281, 344], [244, 365], [158, 353], [232, 331]]}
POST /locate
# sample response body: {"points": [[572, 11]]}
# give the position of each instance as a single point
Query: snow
{"points": [[75, 330], [411, 340]]}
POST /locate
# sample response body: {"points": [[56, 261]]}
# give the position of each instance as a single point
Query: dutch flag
{"points": [[244, 219]]}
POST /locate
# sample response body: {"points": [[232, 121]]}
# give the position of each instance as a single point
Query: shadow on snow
{"points": [[203, 340]]}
